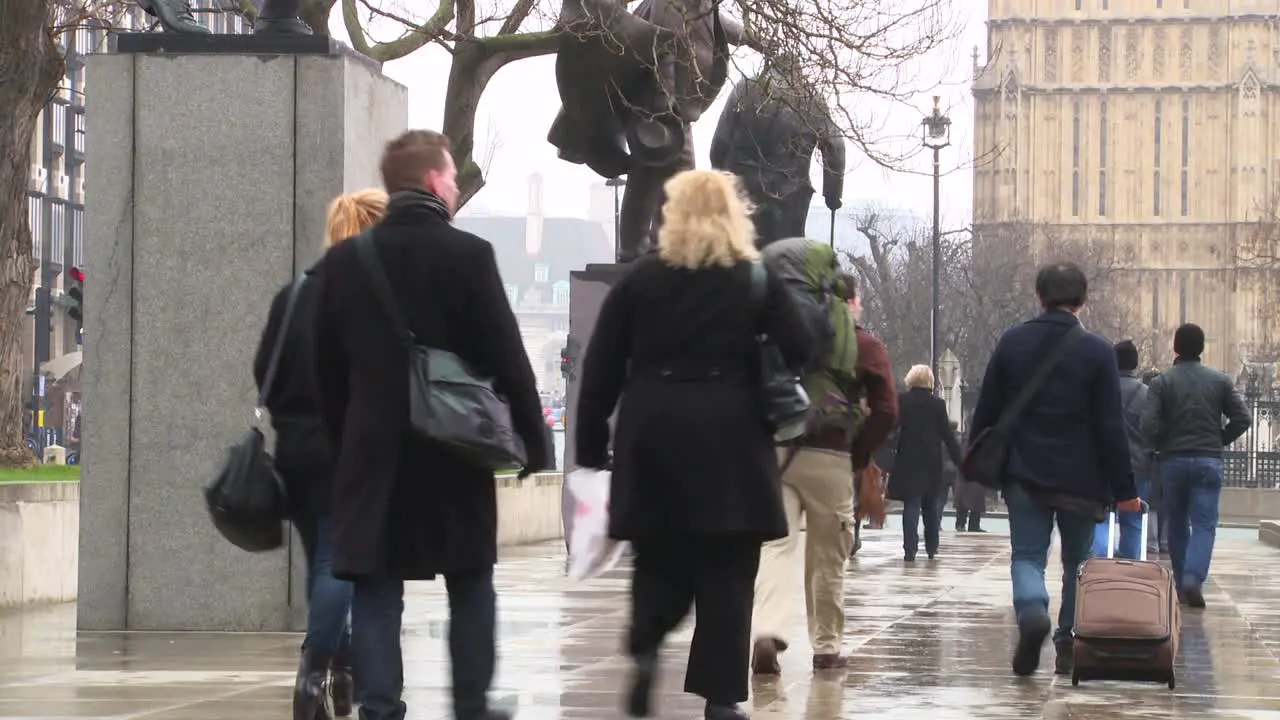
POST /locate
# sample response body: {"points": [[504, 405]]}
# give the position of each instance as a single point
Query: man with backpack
{"points": [[816, 482], [1133, 393]]}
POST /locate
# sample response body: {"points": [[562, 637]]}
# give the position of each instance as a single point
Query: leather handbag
{"points": [[247, 501], [989, 452], [785, 402], [449, 402]]}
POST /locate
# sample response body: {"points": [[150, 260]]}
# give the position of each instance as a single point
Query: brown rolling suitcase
{"points": [[1127, 617]]}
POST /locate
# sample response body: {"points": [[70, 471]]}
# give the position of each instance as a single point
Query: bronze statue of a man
{"points": [[767, 135], [275, 17], [631, 85]]}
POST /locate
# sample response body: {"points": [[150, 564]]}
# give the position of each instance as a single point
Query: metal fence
{"points": [[1253, 461]]}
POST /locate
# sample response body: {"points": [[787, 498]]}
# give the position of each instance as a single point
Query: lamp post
{"points": [[616, 183], [935, 134]]}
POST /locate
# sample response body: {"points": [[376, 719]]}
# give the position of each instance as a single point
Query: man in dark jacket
{"points": [[1133, 395], [1182, 420], [407, 508], [1068, 457]]}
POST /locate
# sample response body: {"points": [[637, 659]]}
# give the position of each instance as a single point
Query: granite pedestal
{"points": [[212, 165]]}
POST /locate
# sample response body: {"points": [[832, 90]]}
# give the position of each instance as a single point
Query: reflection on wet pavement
{"points": [[930, 639]]}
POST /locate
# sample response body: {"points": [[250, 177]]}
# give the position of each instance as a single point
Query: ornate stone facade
{"points": [[1159, 142]]}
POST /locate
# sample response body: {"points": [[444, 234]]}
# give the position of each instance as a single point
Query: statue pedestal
{"points": [[208, 178]]}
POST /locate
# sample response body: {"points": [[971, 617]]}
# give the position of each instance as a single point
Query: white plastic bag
{"points": [[591, 551]]}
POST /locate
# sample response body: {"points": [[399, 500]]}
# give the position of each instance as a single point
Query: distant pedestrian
{"points": [[1068, 458], [1133, 397], [925, 440], [970, 499], [1183, 422]]}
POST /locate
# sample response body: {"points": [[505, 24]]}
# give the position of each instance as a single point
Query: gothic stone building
{"points": [[1147, 129]]}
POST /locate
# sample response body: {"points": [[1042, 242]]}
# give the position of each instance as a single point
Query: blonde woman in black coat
{"points": [[917, 480], [695, 484]]}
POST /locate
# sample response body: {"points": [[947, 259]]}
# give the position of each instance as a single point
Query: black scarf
{"points": [[408, 201]]}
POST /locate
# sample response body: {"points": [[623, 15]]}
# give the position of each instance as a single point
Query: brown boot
{"points": [[830, 661], [341, 684], [764, 657], [308, 689]]}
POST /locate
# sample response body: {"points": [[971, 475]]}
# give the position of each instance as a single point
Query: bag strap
{"points": [[277, 348], [1047, 365], [382, 287]]}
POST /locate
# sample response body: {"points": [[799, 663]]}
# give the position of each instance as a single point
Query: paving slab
{"points": [[927, 639]]}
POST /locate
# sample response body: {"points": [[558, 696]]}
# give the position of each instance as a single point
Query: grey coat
{"points": [[1133, 397]]}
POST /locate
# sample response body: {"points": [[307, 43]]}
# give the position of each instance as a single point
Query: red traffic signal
{"points": [[76, 274]]}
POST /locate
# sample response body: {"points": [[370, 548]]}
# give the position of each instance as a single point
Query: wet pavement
{"points": [[930, 639]]}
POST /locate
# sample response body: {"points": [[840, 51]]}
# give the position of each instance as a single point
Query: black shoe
{"points": [[959, 527], [764, 657], [308, 688], [723, 712], [909, 557], [1033, 628], [341, 683], [174, 16], [1194, 596], [281, 26], [1065, 661], [933, 555], [642, 676]]}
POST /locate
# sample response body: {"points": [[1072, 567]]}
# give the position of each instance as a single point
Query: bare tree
{"points": [[31, 66], [987, 286]]}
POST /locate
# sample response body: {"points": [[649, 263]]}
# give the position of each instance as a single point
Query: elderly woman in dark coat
{"points": [[924, 431], [695, 485]]}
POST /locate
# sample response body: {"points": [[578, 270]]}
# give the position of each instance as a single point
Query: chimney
{"points": [[533, 217]]}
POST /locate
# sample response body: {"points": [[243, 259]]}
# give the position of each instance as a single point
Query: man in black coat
{"points": [[405, 508], [767, 135]]}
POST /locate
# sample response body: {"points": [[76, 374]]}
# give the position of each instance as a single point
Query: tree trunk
{"points": [[30, 67]]}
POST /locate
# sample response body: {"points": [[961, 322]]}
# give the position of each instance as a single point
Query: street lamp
{"points": [[616, 183], [935, 134]]}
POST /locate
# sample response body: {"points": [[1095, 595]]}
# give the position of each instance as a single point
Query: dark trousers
{"points": [[376, 610], [777, 218], [718, 575], [969, 519], [926, 507]]}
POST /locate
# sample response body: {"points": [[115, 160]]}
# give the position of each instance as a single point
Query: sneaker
{"points": [[1194, 596], [1065, 662], [1033, 628]]}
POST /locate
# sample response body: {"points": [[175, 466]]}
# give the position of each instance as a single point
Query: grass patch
{"points": [[41, 473]]}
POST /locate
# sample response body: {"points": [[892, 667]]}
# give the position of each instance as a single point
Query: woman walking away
{"points": [[695, 477], [305, 461], [917, 479]]}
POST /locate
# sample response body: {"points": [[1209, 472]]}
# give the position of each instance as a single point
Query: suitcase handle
{"points": [[1113, 522]]}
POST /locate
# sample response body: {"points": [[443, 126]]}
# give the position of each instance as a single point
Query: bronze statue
{"points": [[631, 85], [767, 134], [275, 17]]}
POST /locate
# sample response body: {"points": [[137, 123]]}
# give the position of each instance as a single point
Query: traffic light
{"points": [[564, 362], [75, 294]]}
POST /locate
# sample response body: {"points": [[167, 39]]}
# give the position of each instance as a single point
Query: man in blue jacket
{"points": [[1068, 455]]}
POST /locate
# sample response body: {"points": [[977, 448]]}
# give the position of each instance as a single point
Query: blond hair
{"points": [[706, 221], [919, 376], [352, 213]]}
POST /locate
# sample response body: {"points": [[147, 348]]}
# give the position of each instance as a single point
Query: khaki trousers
{"points": [[818, 486]]}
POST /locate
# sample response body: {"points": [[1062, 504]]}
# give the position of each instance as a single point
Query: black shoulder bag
{"points": [[989, 453], [449, 402], [784, 400], [247, 500]]}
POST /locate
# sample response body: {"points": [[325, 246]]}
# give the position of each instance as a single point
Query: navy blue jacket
{"points": [[1071, 437]]}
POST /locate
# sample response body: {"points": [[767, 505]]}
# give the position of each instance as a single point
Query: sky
{"points": [[521, 101]]}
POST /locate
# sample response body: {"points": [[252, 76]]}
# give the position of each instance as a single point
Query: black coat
{"points": [[303, 453], [692, 451], [406, 507], [924, 431]]}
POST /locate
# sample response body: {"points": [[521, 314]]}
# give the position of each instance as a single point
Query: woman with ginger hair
{"points": [[695, 476], [305, 459]]}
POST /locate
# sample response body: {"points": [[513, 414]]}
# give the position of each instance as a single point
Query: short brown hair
{"points": [[408, 158]]}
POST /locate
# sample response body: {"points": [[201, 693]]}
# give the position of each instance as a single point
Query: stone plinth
{"points": [[210, 176]]}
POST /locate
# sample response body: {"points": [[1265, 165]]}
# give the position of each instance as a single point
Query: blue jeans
{"points": [[1192, 486], [376, 612], [1131, 539], [931, 507], [1030, 532], [328, 598]]}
